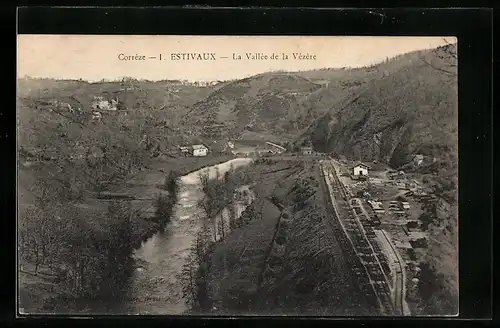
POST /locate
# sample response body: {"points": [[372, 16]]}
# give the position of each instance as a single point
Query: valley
{"points": [[241, 197]]}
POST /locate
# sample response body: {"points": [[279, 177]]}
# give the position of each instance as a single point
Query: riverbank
{"points": [[145, 186], [156, 287], [41, 293]]}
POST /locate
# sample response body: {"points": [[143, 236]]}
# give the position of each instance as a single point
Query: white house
{"points": [[200, 150], [360, 169]]}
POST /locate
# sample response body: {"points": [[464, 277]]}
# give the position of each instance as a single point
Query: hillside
{"points": [[413, 110], [385, 112], [45, 105], [67, 155], [64, 148], [266, 102]]}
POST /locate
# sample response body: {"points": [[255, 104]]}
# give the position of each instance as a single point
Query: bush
{"points": [[401, 199], [164, 205], [171, 182], [435, 297]]}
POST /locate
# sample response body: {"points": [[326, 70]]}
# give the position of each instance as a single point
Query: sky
{"points": [[97, 57]]}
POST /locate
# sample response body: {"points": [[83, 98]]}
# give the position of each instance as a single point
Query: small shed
{"points": [[360, 169]]}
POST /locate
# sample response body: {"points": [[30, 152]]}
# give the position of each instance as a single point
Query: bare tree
{"points": [[448, 58], [195, 271]]}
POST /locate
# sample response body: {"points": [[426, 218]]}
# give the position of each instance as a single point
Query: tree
{"points": [[401, 198], [222, 226], [120, 248], [171, 182], [195, 271], [431, 289], [448, 57], [209, 203], [39, 226], [30, 239], [163, 208]]}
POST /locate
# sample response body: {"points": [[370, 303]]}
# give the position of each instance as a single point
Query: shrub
{"points": [[401, 199]]}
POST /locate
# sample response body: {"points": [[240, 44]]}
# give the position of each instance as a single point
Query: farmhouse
{"points": [[101, 103], [360, 169], [199, 150]]}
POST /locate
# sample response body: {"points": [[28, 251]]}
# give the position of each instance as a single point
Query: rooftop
{"points": [[199, 147], [362, 165], [417, 235]]}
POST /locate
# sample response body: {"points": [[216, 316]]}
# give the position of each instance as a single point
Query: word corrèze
{"points": [[131, 57]]}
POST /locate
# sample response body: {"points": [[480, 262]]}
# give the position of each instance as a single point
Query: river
{"points": [[155, 287]]}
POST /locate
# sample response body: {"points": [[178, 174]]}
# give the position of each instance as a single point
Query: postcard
{"points": [[237, 175]]}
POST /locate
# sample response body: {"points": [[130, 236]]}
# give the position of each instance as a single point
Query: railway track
{"points": [[344, 232], [399, 282], [367, 267], [347, 248]]}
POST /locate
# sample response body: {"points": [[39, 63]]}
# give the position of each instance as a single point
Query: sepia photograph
{"points": [[237, 175]]}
